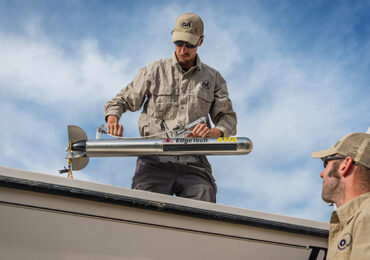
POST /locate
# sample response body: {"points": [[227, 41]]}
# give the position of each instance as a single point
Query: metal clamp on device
{"points": [[179, 132]]}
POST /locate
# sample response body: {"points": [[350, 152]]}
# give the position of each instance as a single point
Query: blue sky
{"points": [[297, 73]]}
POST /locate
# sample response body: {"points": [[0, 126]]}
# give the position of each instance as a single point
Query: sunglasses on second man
{"points": [[333, 157]]}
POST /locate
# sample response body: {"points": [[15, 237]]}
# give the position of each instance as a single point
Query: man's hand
{"points": [[201, 130], [113, 128]]}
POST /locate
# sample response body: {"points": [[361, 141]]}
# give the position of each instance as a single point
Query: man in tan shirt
{"points": [[173, 93], [346, 182]]}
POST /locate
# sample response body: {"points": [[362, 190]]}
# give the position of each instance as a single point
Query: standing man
{"points": [[346, 182], [175, 92]]}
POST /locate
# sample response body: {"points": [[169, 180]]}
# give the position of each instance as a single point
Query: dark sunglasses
{"points": [[333, 157], [188, 45]]}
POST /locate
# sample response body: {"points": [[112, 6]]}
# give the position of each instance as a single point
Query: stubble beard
{"points": [[331, 187], [185, 60]]}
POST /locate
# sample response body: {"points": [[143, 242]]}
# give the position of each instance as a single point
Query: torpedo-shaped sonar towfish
{"points": [[80, 148]]}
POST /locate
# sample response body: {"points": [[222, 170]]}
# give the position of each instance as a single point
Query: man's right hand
{"points": [[113, 128]]}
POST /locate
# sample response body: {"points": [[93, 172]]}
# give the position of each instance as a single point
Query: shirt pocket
{"points": [[204, 98], [165, 106], [163, 103]]}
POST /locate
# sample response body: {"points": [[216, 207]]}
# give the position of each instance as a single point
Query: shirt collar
{"points": [[175, 62], [345, 212], [198, 64]]}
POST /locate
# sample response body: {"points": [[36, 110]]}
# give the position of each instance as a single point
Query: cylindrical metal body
{"points": [[80, 148], [175, 146]]}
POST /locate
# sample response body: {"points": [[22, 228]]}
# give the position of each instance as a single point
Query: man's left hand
{"points": [[203, 131]]}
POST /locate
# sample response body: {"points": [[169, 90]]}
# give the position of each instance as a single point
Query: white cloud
{"points": [[28, 141], [44, 88], [35, 68]]}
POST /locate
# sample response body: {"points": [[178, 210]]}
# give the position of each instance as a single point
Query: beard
{"points": [[185, 60], [331, 186]]}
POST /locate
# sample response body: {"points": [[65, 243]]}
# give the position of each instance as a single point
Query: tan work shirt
{"points": [[349, 234], [175, 96]]}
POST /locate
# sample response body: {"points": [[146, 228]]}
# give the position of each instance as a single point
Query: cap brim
{"points": [[186, 37], [324, 153]]}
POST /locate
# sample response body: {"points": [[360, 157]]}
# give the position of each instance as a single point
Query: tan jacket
{"points": [[349, 234], [177, 97]]}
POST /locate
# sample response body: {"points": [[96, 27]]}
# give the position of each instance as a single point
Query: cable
{"points": [[136, 138]]}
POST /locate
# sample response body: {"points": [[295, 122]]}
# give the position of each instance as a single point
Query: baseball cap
{"points": [[189, 28], [355, 145]]}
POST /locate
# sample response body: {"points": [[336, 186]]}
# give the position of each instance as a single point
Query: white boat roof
{"points": [[50, 184]]}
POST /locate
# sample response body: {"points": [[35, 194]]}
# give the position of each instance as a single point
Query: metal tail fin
{"points": [[78, 159]]}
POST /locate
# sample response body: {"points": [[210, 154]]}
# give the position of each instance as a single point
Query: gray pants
{"points": [[188, 176]]}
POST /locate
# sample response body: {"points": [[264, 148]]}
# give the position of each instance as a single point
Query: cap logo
{"points": [[186, 24]]}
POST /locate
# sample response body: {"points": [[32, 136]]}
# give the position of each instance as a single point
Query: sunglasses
{"points": [[333, 157], [188, 45]]}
